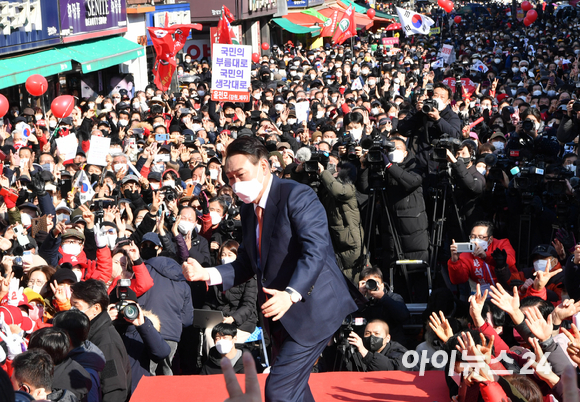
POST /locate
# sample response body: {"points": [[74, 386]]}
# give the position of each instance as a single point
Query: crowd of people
{"points": [[463, 168]]}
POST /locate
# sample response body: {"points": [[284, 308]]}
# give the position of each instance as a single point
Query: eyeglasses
{"points": [[480, 237], [38, 282], [71, 242]]}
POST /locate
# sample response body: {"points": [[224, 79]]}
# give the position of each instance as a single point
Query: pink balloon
{"points": [[532, 15], [62, 106], [255, 57], [457, 19], [527, 6], [265, 46], [36, 85], [4, 105], [371, 13]]}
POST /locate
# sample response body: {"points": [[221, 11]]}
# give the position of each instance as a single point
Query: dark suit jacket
{"points": [[296, 252]]}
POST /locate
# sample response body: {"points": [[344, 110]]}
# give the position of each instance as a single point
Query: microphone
{"points": [[303, 155], [490, 160]]}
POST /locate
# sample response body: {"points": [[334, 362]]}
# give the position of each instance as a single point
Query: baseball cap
{"points": [[63, 274], [130, 177], [152, 237], [544, 250], [13, 315], [73, 233]]}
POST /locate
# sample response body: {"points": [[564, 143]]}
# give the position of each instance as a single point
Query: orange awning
{"points": [[302, 19]]}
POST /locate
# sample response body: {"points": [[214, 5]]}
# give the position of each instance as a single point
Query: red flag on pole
{"points": [[224, 29], [330, 25], [226, 11], [346, 27], [167, 42]]}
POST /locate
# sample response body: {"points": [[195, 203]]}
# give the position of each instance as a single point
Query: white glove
{"points": [[14, 342], [100, 237]]}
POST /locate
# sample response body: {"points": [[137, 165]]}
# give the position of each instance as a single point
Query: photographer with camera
{"points": [[433, 118], [570, 122], [377, 349], [523, 140], [382, 303], [139, 331]]}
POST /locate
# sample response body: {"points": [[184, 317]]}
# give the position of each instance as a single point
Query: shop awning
{"points": [[361, 20], [363, 10], [15, 70], [290, 26], [102, 53]]}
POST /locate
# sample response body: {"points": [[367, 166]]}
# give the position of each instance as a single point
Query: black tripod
{"points": [[440, 193]]}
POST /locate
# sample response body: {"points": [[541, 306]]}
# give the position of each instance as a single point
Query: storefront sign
{"points": [[304, 3], [231, 73], [28, 24], [198, 49], [176, 14], [84, 19]]}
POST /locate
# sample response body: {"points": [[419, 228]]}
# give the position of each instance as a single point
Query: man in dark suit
{"points": [[302, 293]]}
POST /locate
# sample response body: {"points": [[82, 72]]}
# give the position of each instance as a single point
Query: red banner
{"points": [[390, 41]]}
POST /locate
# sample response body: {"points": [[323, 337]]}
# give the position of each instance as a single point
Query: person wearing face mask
{"points": [[498, 140], [301, 291], [225, 337], [406, 200], [422, 128], [469, 186], [185, 232], [236, 303], [569, 123], [492, 261], [376, 349]]}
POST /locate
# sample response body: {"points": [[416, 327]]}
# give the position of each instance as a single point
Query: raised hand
{"points": [[193, 271], [541, 328], [573, 348], [253, 393], [541, 364], [476, 303], [543, 277], [508, 303], [440, 326]]}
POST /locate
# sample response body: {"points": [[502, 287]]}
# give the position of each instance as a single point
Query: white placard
{"points": [[67, 147], [231, 72], [98, 151]]}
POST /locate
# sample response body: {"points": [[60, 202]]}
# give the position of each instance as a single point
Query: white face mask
{"points": [[215, 218], [123, 122], [334, 99], [52, 124], [227, 260], [397, 156], [571, 168], [154, 186], [71, 249], [320, 114], [169, 183], [224, 346], [536, 93], [279, 107], [291, 121], [38, 117], [213, 174], [201, 92], [540, 265], [248, 191], [374, 111], [63, 217], [481, 170], [111, 240], [499, 146], [26, 219], [185, 227], [356, 133], [118, 166], [440, 104], [219, 147], [515, 69], [481, 243], [195, 127], [158, 168]]}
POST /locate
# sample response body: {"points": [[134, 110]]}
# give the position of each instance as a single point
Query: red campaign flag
{"points": [[329, 25], [166, 47], [224, 31], [226, 11], [346, 27]]}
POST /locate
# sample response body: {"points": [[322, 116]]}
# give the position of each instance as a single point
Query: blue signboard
{"points": [[28, 25], [304, 3], [176, 14]]}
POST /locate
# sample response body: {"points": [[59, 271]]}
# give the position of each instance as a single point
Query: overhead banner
{"points": [[91, 18], [231, 72], [390, 41]]}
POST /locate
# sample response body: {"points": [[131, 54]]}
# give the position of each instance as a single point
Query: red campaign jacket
{"points": [[470, 267], [141, 282], [101, 269]]}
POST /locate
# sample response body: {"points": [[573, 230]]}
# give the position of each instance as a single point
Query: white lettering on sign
{"points": [[23, 15]]}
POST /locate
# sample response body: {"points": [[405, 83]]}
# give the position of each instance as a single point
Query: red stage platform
{"points": [[393, 386]]}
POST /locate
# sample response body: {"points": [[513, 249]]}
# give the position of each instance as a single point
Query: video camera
{"points": [[127, 309], [441, 145], [429, 104], [376, 145], [311, 166], [350, 144], [556, 184]]}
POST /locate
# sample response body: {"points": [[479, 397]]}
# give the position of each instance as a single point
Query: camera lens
{"points": [[371, 285], [130, 311]]}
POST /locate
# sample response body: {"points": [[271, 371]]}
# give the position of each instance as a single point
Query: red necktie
{"points": [[260, 216]]}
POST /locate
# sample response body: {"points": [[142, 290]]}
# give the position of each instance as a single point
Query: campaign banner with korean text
{"points": [[231, 72]]}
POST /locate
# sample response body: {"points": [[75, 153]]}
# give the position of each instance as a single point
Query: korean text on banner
{"points": [[445, 53], [230, 80], [390, 41], [98, 151]]}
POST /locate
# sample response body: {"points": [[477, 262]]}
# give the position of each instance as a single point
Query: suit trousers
{"points": [[288, 379]]}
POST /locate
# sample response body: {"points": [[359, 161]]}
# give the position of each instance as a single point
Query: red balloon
{"points": [[448, 6], [532, 15], [36, 85], [265, 46], [62, 106], [255, 57], [4, 105], [527, 22], [371, 13], [527, 6], [457, 19]]}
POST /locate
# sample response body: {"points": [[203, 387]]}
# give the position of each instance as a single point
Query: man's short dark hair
{"points": [[92, 292], [249, 146], [371, 271], [55, 341], [445, 87], [544, 306], [486, 224], [75, 323], [224, 329], [34, 367]]}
